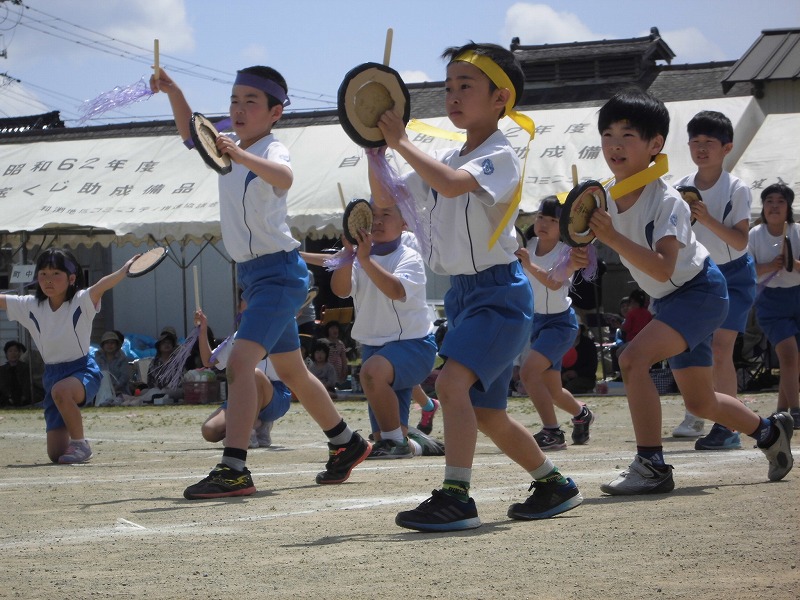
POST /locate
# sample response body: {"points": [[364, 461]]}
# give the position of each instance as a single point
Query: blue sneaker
{"points": [[440, 512], [548, 500], [719, 438]]}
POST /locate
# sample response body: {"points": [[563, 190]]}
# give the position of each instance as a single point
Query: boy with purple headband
{"points": [[273, 276]]}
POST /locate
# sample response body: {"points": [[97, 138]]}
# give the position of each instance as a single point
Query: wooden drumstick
{"points": [[156, 67], [196, 289], [341, 196], [574, 175], [387, 49]]}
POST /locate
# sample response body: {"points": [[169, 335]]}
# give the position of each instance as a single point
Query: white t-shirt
{"points": [[545, 300], [223, 353], [765, 247], [660, 212], [63, 335], [459, 228], [252, 213], [728, 201], [380, 320]]}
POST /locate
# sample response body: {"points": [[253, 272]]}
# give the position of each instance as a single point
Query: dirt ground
{"points": [[119, 527]]}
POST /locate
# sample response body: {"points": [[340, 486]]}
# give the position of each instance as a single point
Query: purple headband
{"points": [[265, 85]]}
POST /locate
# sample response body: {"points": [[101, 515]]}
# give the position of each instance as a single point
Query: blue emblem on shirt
{"points": [[673, 219], [487, 166]]}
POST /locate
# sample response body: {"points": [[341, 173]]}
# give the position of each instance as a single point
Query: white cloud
{"points": [[691, 46], [16, 101], [414, 76], [537, 24]]}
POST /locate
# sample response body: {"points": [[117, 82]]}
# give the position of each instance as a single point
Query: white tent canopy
{"points": [[137, 188], [771, 157]]}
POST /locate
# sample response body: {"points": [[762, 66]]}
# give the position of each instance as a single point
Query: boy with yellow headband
{"points": [[468, 196], [273, 277], [650, 228]]}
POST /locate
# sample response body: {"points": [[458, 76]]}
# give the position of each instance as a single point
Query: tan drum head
{"points": [[357, 215], [204, 135], [690, 195], [578, 208], [368, 91], [148, 261]]}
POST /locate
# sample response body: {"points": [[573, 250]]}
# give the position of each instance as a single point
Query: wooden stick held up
{"points": [[156, 67], [387, 49]]}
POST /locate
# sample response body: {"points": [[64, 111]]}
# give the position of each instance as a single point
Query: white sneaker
{"points": [[76, 452], [263, 434], [691, 427], [253, 440], [641, 477], [779, 453]]}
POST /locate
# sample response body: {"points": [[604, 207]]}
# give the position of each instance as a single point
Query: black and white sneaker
{"points": [[641, 477], [548, 500], [779, 453]]}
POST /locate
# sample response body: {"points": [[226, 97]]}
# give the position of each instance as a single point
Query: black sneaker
{"points": [[430, 446], [222, 482], [388, 449], [550, 439], [547, 500], [343, 459], [580, 428], [795, 413], [440, 512]]}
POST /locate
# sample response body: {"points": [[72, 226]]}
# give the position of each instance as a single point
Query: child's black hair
{"points": [[504, 58], [713, 124], [645, 113], [639, 297], [332, 323], [60, 260], [323, 347], [785, 191], [550, 207], [270, 74]]}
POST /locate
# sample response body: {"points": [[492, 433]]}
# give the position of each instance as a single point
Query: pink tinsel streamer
{"points": [[116, 98], [561, 265], [341, 258], [398, 190], [170, 374]]}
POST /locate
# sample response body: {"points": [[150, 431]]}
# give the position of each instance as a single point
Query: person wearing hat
{"points": [[165, 345], [15, 384], [113, 364]]}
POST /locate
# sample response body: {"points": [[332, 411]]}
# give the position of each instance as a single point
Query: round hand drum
{"points": [[357, 215], [578, 208], [148, 261], [368, 91], [690, 195], [204, 135]]}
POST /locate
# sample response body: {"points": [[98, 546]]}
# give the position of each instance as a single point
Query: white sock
{"points": [[396, 435], [416, 449]]}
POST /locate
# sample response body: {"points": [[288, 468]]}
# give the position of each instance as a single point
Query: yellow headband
{"points": [[499, 77]]}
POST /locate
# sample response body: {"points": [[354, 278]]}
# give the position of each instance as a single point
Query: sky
{"points": [[56, 54]]}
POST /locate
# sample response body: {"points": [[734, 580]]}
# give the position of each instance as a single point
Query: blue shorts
{"points": [[488, 325], [695, 310], [277, 407], [84, 370], [778, 313], [275, 287], [553, 335], [740, 277], [412, 361]]}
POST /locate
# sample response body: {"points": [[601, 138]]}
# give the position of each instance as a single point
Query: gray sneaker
{"points": [[264, 434], [430, 446], [77, 452], [779, 454], [641, 477], [795, 412], [385, 449]]}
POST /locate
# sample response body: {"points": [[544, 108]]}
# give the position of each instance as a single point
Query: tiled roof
{"points": [[774, 56]]}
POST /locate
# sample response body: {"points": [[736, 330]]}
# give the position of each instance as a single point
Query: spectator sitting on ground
{"points": [[580, 376], [15, 382], [114, 364], [166, 344], [322, 369], [337, 351]]}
